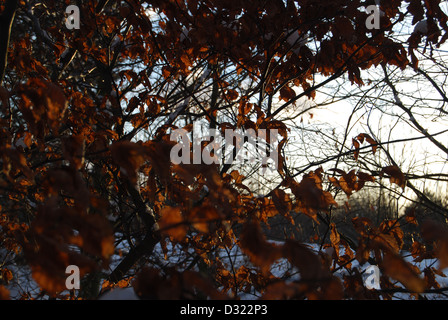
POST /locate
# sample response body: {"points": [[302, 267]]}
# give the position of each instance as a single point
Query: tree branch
{"points": [[41, 34], [6, 20], [434, 84], [146, 246], [411, 115]]}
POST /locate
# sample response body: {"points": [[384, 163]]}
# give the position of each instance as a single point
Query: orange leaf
{"points": [[6, 275], [433, 231], [308, 263], [244, 107], [56, 102], [44, 104], [362, 179], [351, 181], [362, 225], [398, 269], [4, 293], [49, 244], [129, 156], [309, 194], [287, 93], [356, 152], [410, 216], [281, 201], [231, 94], [370, 140], [201, 217], [391, 234], [159, 155], [347, 182], [396, 176], [275, 125], [334, 235], [172, 223], [254, 244]]}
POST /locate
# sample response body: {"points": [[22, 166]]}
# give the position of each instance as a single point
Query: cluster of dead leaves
{"points": [[359, 140], [352, 181], [49, 245], [309, 195], [130, 156], [436, 234], [63, 233], [386, 242], [63, 219], [316, 280], [170, 284], [43, 105], [395, 175]]}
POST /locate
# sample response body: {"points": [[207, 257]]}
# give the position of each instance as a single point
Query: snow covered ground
{"points": [[23, 281]]}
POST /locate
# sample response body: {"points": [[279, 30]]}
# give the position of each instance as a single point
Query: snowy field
{"points": [[282, 268], [23, 281]]}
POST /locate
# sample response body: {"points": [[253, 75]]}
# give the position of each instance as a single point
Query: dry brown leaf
{"points": [[309, 194], [74, 150], [398, 269], [395, 175], [4, 293], [129, 156], [433, 231], [201, 217], [172, 223], [308, 263], [254, 245]]}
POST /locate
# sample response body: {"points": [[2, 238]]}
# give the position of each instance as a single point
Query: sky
{"points": [[377, 116]]}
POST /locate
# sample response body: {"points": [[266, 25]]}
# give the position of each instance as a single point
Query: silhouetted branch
{"points": [[6, 20]]}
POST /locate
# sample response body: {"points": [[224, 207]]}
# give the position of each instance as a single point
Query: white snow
{"points": [[184, 34], [421, 27], [19, 143], [120, 294], [293, 38], [296, 40]]}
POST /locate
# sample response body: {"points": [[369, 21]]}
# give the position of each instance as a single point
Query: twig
{"points": [[6, 20]]}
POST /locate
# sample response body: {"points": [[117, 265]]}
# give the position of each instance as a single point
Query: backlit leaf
{"points": [[4, 293], [308, 263], [398, 269], [287, 93], [254, 244], [172, 223], [432, 231], [309, 194], [395, 175], [202, 217], [129, 156]]}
